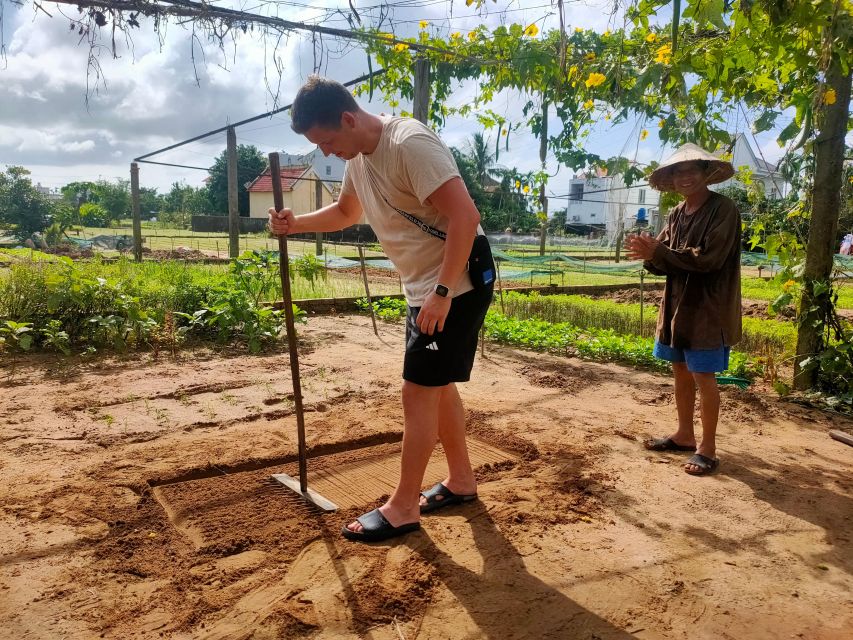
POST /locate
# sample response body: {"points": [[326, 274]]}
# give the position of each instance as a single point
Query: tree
{"points": [[93, 215], [482, 158], [250, 164], [687, 76], [557, 222], [150, 202], [23, 210], [114, 199]]}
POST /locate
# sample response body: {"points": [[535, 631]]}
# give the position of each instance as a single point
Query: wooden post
{"points": [[642, 326], [137, 219], [233, 203], [318, 204], [543, 199], [367, 289], [500, 286], [287, 299], [420, 108]]}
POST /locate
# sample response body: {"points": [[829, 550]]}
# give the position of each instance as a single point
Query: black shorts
{"points": [[446, 356]]}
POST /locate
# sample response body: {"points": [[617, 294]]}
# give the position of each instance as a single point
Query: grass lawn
{"points": [[760, 289]]}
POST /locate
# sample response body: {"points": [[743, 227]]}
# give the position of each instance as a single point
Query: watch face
{"points": [[441, 290]]}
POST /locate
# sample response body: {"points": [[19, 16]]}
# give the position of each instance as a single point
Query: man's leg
{"points": [[420, 434], [709, 398], [685, 398], [451, 431]]}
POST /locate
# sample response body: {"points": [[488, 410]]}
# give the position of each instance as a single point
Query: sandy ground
{"points": [[135, 503]]}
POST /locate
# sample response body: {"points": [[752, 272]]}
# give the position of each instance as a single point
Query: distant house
{"points": [[600, 201], [54, 195], [298, 186], [329, 169], [766, 173]]}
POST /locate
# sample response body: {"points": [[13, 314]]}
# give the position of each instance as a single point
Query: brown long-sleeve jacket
{"points": [[699, 254]]}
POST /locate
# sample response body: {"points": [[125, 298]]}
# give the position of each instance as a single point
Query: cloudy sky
{"points": [[63, 124]]}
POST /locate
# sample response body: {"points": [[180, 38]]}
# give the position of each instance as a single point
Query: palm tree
{"points": [[483, 159]]}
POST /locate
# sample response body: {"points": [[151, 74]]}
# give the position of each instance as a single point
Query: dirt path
{"points": [[135, 503]]}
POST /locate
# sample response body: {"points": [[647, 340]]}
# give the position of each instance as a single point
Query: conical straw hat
{"points": [[718, 170]]}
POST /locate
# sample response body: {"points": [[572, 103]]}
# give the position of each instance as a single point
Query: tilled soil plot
{"points": [[135, 502]]}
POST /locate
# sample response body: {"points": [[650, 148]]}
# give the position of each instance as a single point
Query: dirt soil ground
{"points": [[135, 503]]}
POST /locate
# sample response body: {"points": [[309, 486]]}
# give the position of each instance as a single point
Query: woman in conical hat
{"points": [[716, 170], [700, 314]]}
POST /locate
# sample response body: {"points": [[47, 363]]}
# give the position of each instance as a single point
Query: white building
{"points": [[54, 195], [329, 169], [763, 172], [603, 201]]}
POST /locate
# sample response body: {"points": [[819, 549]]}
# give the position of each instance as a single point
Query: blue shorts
{"points": [[698, 360]]}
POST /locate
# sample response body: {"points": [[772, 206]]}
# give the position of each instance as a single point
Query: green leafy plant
{"points": [[309, 267], [55, 337], [593, 344], [388, 309], [18, 335]]}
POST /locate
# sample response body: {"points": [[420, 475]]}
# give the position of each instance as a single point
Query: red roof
{"points": [[289, 176]]}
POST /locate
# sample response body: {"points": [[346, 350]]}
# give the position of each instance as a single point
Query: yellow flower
{"points": [[664, 54], [573, 70], [789, 284], [400, 47], [532, 30], [652, 37], [526, 189], [590, 55], [606, 33], [518, 184], [829, 96], [455, 35], [644, 134], [595, 80], [504, 132], [661, 123], [589, 104], [423, 24], [578, 30], [472, 35]]}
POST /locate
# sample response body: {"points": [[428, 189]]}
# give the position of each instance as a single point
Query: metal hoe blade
{"points": [[300, 486]]}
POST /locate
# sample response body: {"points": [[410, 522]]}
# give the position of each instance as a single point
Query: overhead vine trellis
{"points": [[685, 74]]}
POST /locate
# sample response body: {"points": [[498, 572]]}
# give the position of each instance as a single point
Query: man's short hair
{"points": [[320, 103]]}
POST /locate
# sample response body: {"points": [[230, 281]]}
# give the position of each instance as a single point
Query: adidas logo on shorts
{"points": [[432, 346]]}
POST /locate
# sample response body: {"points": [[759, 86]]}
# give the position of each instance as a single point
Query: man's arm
{"points": [[453, 203], [663, 237], [722, 236], [334, 217], [641, 246]]}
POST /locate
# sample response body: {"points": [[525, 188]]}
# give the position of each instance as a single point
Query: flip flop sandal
{"points": [[667, 444], [440, 496], [377, 528], [706, 465]]}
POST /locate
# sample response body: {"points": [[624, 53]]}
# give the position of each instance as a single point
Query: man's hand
{"points": [[641, 247], [281, 222], [433, 313]]}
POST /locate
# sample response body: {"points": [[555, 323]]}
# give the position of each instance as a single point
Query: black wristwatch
{"points": [[441, 290]]}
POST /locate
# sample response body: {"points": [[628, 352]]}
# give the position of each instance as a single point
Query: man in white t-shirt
{"points": [[405, 181]]}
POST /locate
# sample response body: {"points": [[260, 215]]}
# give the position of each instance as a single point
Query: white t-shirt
{"points": [[408, 165]]}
